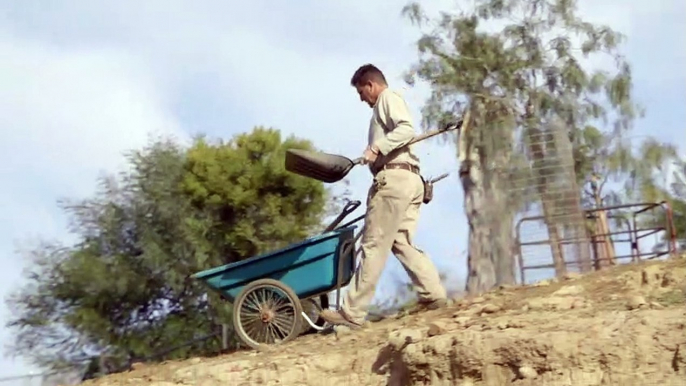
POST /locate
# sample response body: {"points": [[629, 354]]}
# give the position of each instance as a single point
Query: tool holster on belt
{"points": [[428, 190], [428, 184]]}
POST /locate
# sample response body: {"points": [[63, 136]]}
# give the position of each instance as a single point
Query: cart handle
{"points": [[349, 207]]}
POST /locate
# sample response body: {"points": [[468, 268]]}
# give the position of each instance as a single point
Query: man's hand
{"points": [[370, 154]]}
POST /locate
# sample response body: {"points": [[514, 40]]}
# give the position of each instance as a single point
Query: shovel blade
{"points": [[319, 166]]}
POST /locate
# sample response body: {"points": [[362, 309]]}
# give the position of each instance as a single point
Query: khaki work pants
{"points": [[392, 212]]}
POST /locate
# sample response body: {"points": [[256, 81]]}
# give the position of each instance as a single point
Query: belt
{"points": [[401, 166]]}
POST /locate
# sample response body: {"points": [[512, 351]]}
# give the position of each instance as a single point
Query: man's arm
{"points": [[395, 115]]}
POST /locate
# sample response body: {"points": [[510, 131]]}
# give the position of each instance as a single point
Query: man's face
{"points": [[367, 93]]}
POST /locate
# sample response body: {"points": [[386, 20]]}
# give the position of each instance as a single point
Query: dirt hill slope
{"points": [[623, 326]]}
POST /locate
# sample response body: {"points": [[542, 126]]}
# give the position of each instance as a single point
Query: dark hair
{"points": [[367, 73]]}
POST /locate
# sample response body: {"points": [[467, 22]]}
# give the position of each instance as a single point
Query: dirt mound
{"points": [[622, 326]]}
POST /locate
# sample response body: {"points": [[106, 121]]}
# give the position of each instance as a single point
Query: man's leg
{"points": [[418, 265], [387, 205]]}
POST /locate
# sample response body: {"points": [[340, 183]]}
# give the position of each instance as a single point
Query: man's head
{"points": [[369, 82]]}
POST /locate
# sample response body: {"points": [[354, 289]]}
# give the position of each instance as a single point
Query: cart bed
{"points": [[309, 267]]}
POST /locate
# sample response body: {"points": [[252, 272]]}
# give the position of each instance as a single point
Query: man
{"points": [[392, 204]]}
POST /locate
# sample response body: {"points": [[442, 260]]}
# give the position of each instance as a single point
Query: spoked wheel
{"points": [[267, 312]]}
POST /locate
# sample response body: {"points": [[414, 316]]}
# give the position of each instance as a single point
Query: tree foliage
{"points": [[625, 171], [249, 200], [123, 287], [518, 67], [671, 190], [677, 201]]}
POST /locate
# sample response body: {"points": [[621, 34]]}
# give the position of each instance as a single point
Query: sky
{"points": [[82, 82]]}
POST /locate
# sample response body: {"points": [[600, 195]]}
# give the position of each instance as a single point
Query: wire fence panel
{"points": [[630, 233], [543, 183]]}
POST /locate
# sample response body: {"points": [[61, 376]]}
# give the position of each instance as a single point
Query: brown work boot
{"points": [[338, 318], [426, 305], [434, 304]]}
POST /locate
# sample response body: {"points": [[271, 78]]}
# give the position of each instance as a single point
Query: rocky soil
{"points": [[621, 326]]}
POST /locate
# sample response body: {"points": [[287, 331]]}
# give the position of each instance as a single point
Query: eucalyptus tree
{"points": [[518, 67]]}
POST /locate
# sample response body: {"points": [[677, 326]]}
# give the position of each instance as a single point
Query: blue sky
{"points": [[80, 82]]}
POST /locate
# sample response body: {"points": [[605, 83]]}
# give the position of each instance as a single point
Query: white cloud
{"points": [[70, 113], [66, 116]]}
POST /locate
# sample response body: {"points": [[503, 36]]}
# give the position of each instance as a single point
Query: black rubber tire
{"points": [[240, 308]]}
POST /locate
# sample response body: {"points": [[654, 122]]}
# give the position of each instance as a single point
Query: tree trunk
{"points": [[577, 228], [490, 259], [481, 275], [605, 255], [502, 220], [555, 240], [503, 250]]}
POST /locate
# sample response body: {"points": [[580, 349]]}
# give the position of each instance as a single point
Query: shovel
{"points": [[330, 168]]}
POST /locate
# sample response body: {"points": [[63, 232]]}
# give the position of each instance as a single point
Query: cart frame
{"points": [[238, 292]]}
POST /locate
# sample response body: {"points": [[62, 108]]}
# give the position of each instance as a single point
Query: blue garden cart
{"points": [[269, 291]]}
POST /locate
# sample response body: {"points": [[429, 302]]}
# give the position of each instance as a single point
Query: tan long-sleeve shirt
{"points": [[390, 128]]}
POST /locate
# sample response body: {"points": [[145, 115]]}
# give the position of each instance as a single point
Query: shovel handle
{"points": [[436, 179], [448, 127]]}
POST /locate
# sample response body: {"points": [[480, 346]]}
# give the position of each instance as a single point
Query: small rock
{"points": [[527, 372], [266, 348], [462, 305], [564, 303], [525, 308], [571, 276], [635, 302], [502, 325], [437, 328], [478, 299], [489, 309], [554, 303], [579, 304], [341, 331], [401, 338], [513, 324], [656, 306], [667, 280], [473, 311], [475, 327], [535, 304], [543, 283], [462, 321], [569, 290], [650, 275]]}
